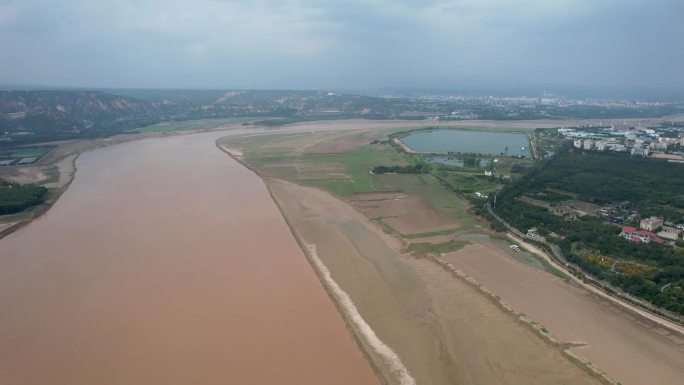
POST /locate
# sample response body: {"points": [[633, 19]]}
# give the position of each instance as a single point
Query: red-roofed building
{"points": [[636, 235]]}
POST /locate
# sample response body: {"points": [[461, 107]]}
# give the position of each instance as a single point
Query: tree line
{"points": [[419, 168], [16, 197], [652, 186]]}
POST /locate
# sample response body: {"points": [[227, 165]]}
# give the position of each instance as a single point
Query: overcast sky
{"points": [[324, 44]]}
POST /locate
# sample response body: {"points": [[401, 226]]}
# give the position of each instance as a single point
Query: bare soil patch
{"points": [[378, 196], [23, 175], [405, 213], [628, 348]]}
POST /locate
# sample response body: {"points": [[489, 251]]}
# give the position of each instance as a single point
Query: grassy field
{"points": [[436, 249], [509, 130], [357, 165], [341, 162], [15, 154], [288, 156], [434, 193], [347, 172]]}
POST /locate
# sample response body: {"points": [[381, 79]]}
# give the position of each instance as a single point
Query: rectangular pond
{"points": [[476, 142]]}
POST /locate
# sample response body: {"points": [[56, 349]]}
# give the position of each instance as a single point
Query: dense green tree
{"points": [[18, 197]]}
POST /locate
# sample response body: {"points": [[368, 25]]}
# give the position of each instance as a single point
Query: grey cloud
{"points": [[340, 44]]}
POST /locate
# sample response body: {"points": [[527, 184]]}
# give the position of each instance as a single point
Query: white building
{"points": [[618, 147], [639, 151], [658, 146], [651, 224], [601, 146]]}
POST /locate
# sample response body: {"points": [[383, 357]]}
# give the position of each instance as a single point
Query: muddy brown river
{"points": [[166, 262]]}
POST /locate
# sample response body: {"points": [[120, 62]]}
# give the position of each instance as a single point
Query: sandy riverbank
{"points": [[630, 348], [444, 330]]}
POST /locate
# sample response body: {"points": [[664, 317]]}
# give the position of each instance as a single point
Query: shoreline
{"points": [[349, 324], [40, 210], [43, 208]]}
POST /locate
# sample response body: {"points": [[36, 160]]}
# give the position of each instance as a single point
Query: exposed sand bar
{"points": [[443, 329], [631, 349], [166, 262]]}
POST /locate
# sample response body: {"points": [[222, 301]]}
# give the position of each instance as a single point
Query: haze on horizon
{"points": [[336, 44]]}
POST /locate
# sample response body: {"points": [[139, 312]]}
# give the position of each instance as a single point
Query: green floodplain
{"points": [[461, 190]]}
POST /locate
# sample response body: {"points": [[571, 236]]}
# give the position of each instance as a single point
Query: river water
{"points": [[166, 262]]}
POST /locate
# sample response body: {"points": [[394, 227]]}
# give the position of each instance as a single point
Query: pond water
{"points": [[489, 143]]}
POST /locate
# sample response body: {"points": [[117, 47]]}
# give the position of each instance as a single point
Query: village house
{"points": [[670, 233], [651, 224], [534, 233]]}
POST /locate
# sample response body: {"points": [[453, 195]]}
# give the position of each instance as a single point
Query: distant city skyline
{"points": [[346, 45]]}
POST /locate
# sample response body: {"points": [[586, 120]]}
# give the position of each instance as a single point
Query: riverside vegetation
{"points": [[651, 271], [16, 197]]}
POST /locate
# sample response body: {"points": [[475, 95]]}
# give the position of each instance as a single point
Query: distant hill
{"points": [[78, 113], [67, 111], [29, 116]]}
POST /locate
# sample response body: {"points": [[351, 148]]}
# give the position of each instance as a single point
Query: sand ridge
{"points": [[397, 368]]}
